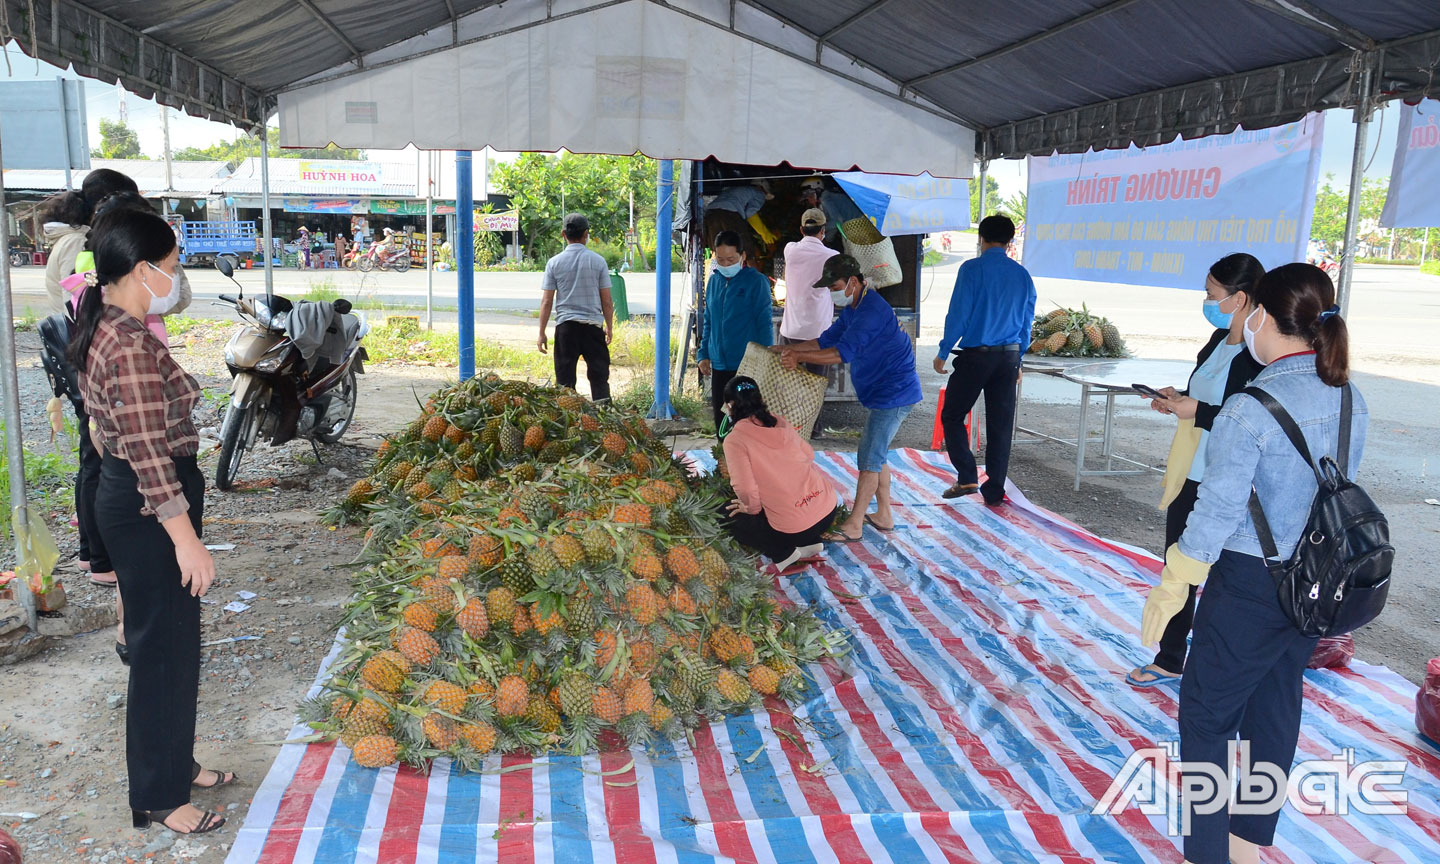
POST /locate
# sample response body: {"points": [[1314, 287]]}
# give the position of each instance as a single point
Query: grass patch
{"points": [[179, 325], [441, 346], [640, 395], [49, 477], [1398, 262], [1431, 267], [634, 344]]}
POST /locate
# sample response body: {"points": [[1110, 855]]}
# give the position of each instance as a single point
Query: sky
{"points": [[103, 101]]}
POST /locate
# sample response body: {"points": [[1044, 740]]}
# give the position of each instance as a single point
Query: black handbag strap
{"points": [[1292, 431]]}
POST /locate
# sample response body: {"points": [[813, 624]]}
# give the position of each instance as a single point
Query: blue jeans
{"points": [[880, 429]]}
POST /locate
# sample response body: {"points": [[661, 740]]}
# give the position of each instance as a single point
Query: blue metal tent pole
{"points": [[465, 261], [664, 219]]}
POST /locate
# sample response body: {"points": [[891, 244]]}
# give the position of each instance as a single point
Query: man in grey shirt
{"points": [[577, 288]]}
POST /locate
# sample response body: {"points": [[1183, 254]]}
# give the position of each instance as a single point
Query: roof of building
{"points": [[189, 179]]}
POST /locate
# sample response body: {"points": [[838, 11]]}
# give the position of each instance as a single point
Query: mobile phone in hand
{"points": [[1147, 392]]}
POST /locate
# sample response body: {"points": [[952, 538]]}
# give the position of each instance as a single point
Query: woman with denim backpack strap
{"points": [[1244, 673]]}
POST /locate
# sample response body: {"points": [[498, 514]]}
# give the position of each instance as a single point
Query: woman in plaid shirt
{"points": [[148, 507]]}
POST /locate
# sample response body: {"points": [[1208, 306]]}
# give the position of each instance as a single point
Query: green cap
{"points": [[838, 267]]}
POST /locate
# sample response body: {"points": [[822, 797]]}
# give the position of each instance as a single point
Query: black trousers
{"points": [[1244, 676], [162, 629], [997, 375], [753, 531], [718, 379], [577, 339], [1171, 656], [87, 480]]}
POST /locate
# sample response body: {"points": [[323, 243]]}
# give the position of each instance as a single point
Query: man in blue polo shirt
{"points": [[867, 335], [987, 327]]}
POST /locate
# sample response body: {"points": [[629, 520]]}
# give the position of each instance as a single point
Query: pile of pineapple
{"points": [[1075, 333], [541, 573]]}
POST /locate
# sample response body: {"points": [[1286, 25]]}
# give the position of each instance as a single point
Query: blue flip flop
{"points": [[1156, 682]]}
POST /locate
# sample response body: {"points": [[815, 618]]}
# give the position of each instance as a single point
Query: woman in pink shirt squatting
{"points": [[783, 502]]}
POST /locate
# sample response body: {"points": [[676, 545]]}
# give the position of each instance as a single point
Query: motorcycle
{"points": [[397, 259], [277, 393]]}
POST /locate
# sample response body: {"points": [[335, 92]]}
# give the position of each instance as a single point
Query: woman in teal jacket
{"points": [[737, 312]]}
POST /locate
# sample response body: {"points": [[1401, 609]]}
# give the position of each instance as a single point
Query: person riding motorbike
{"points": [[387, 248]]}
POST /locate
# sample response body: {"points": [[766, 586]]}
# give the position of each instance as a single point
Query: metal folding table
{"points": [[1107, 378]]}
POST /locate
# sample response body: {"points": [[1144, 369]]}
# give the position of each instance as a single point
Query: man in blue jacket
{"points": [[867, 335], [988, 328], [737, 312]]}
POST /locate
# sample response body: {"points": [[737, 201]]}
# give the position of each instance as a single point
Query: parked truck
{"points": [[204, 242]]}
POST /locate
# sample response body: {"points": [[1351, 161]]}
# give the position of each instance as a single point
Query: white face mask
{"points": [[839, 298], [159, 305], [1251, 334]]}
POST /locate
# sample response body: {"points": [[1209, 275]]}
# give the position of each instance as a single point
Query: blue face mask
{"points": [[1215, 316], [729, 271]]}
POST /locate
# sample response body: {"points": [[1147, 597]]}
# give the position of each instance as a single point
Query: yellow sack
{"points": [[1182, 455]]}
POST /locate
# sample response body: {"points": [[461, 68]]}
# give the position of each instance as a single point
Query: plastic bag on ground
{"points": [[1333, 652], [1427, 702]]}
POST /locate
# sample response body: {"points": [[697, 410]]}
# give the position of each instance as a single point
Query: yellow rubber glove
{"points": [[1181, 571]]}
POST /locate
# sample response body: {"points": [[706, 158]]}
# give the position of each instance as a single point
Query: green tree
{"points": [[1016, 205], [117, 141], [992, 198], [232, 153], [1328, 223], [540, 185]]}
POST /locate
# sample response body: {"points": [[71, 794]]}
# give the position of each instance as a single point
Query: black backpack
{"points": [[54, 341], [1339, 576]]}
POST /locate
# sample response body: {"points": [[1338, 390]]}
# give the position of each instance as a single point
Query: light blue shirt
{"points": [[1207, 384], [1243, 433]]}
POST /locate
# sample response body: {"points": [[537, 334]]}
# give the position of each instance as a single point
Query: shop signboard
{"points": [[498, 222], [1415, 173], [306, 204], [409, 207], [354, 176], [1162, 215]]}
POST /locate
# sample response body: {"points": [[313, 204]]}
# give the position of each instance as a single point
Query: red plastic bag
{"points": [[9, 849], [1333, 652], [1427, 702]]}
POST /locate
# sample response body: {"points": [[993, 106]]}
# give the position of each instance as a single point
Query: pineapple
{"points": [[453, 568], [534, 438], [500, 605], [485, 551], [1075, 340], [361, 492], [414, 478], [473, 619], [613, 445], [1110, 335], [385, 672], [589, 423], [520, 624], [647, 566], [607, 706], [640, 464], [643, 603], [598, 544], [681, 601], [1057, 314], [439, 730], [639, 697], [515, 575], [544, 624], [536, 507], [490, 435], [579, 618], [422, 490], [694, 674], [660, 716], [577, 693], [368, 717], [542, 714], [570, 401], [606, 645], [445, 696], [542, 564], [1055, 342], [418, 647], [682, 563], [764, 679], [512, 441], [435, 428], [731, 687], [479, 735], [713, 569], [481, 689], [437, 593], [421, 617], [376, 751], [554, 451], [1093, 337], [633, 514], [398, 473], [642, 657], [465, 452], [657, 492], [455, 435], [512, 697], [567, 550]]}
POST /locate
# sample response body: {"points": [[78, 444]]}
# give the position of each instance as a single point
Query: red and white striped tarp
{"points": [[981, 714]]}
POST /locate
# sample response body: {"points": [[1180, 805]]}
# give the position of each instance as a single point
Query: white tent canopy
{"points": [[622, 78]]}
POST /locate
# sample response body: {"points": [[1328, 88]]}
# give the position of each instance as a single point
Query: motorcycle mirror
{"points": [[223, 265]]}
